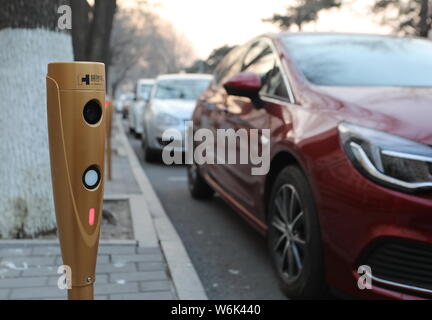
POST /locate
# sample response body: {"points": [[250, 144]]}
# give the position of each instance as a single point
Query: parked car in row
{"points": [[350, 180], [172, 102], [123, 103], [142, 96], [119, 102]]}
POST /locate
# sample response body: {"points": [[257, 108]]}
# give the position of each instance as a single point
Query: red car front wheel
{"points": [[294, 236]]}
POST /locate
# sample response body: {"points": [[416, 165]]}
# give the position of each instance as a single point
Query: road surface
{"points": [[230, 256]]}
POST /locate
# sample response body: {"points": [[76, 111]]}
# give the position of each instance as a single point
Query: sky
{"points": [[210, 24]]}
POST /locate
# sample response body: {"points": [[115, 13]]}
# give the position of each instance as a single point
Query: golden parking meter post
{"points": [[109, 119], [76, 127]]}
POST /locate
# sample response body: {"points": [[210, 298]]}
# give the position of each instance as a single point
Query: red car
{"points": [[350, 180]]}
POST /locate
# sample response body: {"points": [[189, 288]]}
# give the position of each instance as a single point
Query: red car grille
{"points": [[404, 265]]}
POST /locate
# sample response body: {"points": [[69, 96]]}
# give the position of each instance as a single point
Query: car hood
{"points": [[406, 112], [182, 109]]}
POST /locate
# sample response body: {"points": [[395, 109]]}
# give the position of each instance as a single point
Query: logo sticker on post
{"points": [[76, 127]]}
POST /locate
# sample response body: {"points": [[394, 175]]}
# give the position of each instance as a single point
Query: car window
{"points": [[144, 91], [183, 89], [255, 51], [275, 85], [230, 65], [261, 60]]}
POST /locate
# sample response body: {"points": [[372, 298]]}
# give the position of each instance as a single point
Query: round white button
{"points": [[91, 178]]}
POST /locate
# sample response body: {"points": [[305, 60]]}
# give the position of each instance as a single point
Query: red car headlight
{"points": [[389, 160]]}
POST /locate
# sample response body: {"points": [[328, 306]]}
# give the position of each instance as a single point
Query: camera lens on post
{"points": [[91, 177], [92, 112]]}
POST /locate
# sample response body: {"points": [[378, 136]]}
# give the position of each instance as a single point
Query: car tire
{"points": [[198, 187], [294, 237], [150, 154]]}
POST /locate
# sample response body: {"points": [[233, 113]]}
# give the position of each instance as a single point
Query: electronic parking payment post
{"points": [[76, 127]]}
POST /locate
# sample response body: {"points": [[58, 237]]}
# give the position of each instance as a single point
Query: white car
{"points": [[172, 102], [122, 103], [142, 96]]}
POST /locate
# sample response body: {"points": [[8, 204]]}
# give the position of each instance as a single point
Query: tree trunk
{"points": [[91, 30], [80, 25], [28, 41], [299, 26], [101, 30], [424, 24]]}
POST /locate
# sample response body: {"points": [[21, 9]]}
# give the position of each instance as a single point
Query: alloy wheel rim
{"points": [[290, 236]]}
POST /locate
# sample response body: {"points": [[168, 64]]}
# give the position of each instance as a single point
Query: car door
{"points": [[214, 106], [243, 114]]}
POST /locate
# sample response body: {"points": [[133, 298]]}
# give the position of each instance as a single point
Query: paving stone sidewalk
{"points": [[124, 271]]}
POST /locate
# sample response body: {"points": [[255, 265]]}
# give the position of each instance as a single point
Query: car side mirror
{"points": [[244, 84]]}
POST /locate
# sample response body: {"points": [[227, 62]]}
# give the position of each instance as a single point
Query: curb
{"points": [[151, 223]]}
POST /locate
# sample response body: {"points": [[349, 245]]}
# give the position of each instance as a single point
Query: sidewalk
{"points": [[153, 265]]}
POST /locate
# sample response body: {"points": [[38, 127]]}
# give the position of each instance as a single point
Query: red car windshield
{"points": [[361, 60]]}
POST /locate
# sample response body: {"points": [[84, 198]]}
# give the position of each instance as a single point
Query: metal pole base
{"points": [[81, 293]]}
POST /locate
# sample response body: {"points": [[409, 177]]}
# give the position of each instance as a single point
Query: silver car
{"points": [[123, 103], [142, 96], [172, 102]]}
